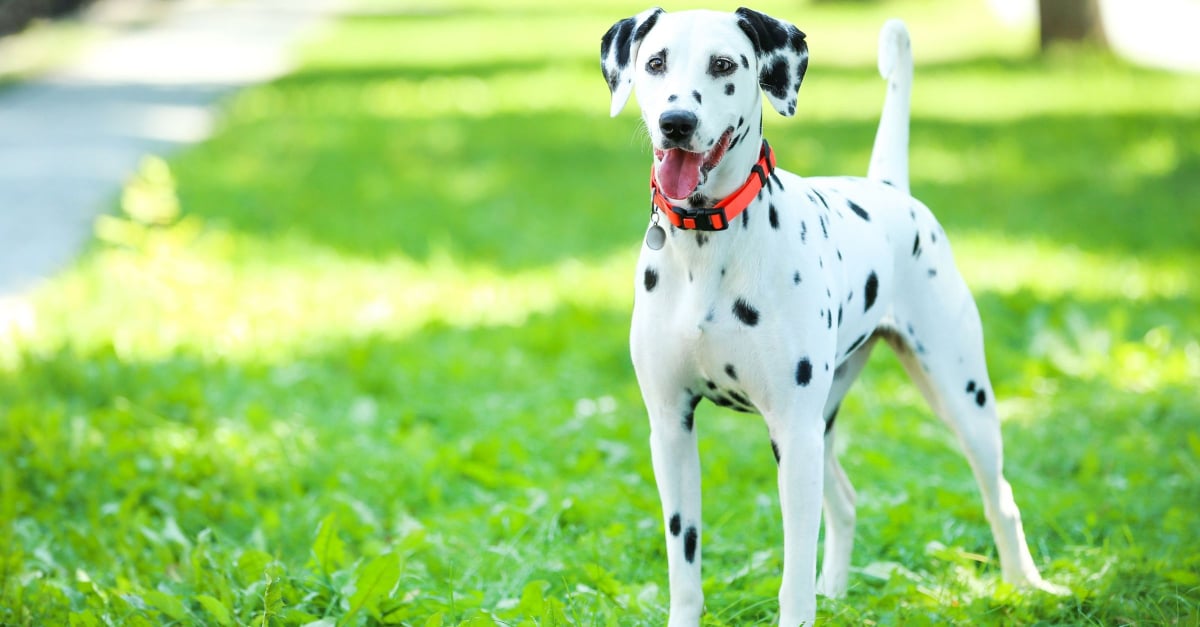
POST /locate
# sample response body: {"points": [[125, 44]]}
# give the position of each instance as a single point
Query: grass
{"points": [[361, 357]]}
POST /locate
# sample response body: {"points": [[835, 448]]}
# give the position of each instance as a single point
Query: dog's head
{"points": [[697, 75]]}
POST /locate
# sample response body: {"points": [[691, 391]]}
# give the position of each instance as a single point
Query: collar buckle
{"points": [[706, 219]]}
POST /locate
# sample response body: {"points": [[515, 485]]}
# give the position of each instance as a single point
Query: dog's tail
{"points": [[889, 156]]}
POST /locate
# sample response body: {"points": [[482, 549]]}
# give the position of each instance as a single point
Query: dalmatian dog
{"points": [[764, 291]]}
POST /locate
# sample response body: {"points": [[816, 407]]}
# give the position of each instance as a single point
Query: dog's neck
{"points": [[707, 255]]}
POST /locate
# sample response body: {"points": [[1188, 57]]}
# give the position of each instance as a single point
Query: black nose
{"points": [[677, 126]]}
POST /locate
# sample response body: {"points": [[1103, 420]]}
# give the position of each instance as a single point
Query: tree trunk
{"points": [[1070, 20]]}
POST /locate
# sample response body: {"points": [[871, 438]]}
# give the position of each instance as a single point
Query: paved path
{"points": [[69, 140]]}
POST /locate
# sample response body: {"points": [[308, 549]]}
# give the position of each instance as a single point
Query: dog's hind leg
{"points": [[839, 494], [941, 348]]}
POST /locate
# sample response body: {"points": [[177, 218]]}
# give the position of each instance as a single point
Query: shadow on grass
{"points": [[523, 190]]}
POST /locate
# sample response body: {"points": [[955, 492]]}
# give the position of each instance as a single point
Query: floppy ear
{"points": [[618, 51], [782, 57]]}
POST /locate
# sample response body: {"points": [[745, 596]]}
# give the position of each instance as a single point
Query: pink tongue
{"points": [[679, 173]]}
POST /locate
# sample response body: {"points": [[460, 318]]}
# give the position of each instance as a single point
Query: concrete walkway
{"points": [[69, 140]]}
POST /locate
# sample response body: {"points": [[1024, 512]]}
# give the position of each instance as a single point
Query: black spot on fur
{"points": [[696, 95], [689, 416], [711, 385], [740, 400], [701, 239], [774, 78], [689, 544], [821, 198], [916, 251], [839, 315], [829, 318], [803, 231], [741, 121], [862, 213], [870, 290], [744, 312], [646, 26], [792, 105], [839, 253], [676, 525], [796, 278], [768, 34], [888, 183], [672, 97], [745, 62], [746, 219], [775, 177], [824, 229], [690, 278], [970, 386], [933, 236], [980, 398], [729, 89], [618, 36], [853, 347], [831, 418], [804, 372], [775, 451], [773, 216], [932, 272], [731, 371], [650, 279]]}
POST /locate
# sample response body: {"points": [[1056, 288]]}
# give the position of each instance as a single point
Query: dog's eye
{"points": [[656, 65], [721, 65]]}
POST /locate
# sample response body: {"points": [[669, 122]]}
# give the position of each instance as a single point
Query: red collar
{"points": [[717, 218]]}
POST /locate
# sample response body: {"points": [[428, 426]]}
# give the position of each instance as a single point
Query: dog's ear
{"points": [[782, 57], [618, 52]]}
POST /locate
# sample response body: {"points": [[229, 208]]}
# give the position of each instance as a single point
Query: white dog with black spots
{"points": [[764, 291]]}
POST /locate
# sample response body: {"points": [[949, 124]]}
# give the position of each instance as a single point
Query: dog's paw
{"points": [[1051, 588], [828, 588], [1035, 582]]}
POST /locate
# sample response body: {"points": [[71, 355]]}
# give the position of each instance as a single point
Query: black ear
{"points": [[782, 57], [618, 51]]}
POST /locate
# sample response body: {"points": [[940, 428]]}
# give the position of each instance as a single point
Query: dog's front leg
{"points": [[798, 437], [677, 472]]}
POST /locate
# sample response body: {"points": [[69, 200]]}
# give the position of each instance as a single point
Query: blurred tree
{"points": [[1070, 20], [15, 15]]}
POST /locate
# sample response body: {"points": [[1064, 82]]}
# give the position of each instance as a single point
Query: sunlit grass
{"points": [[153, 289]]}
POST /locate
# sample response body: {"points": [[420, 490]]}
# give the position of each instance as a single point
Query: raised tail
{"points": [[889, 156]]}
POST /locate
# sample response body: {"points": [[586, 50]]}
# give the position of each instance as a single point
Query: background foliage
{"points": [[361, 358]]}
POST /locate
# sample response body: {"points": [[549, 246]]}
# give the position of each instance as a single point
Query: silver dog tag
{"points": [[655, 237]]}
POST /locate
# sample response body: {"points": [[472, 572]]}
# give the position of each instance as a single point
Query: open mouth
{"points": [[679, 171]]}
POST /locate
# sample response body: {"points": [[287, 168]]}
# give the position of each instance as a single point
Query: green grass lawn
{"points": [[361, 357]]}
